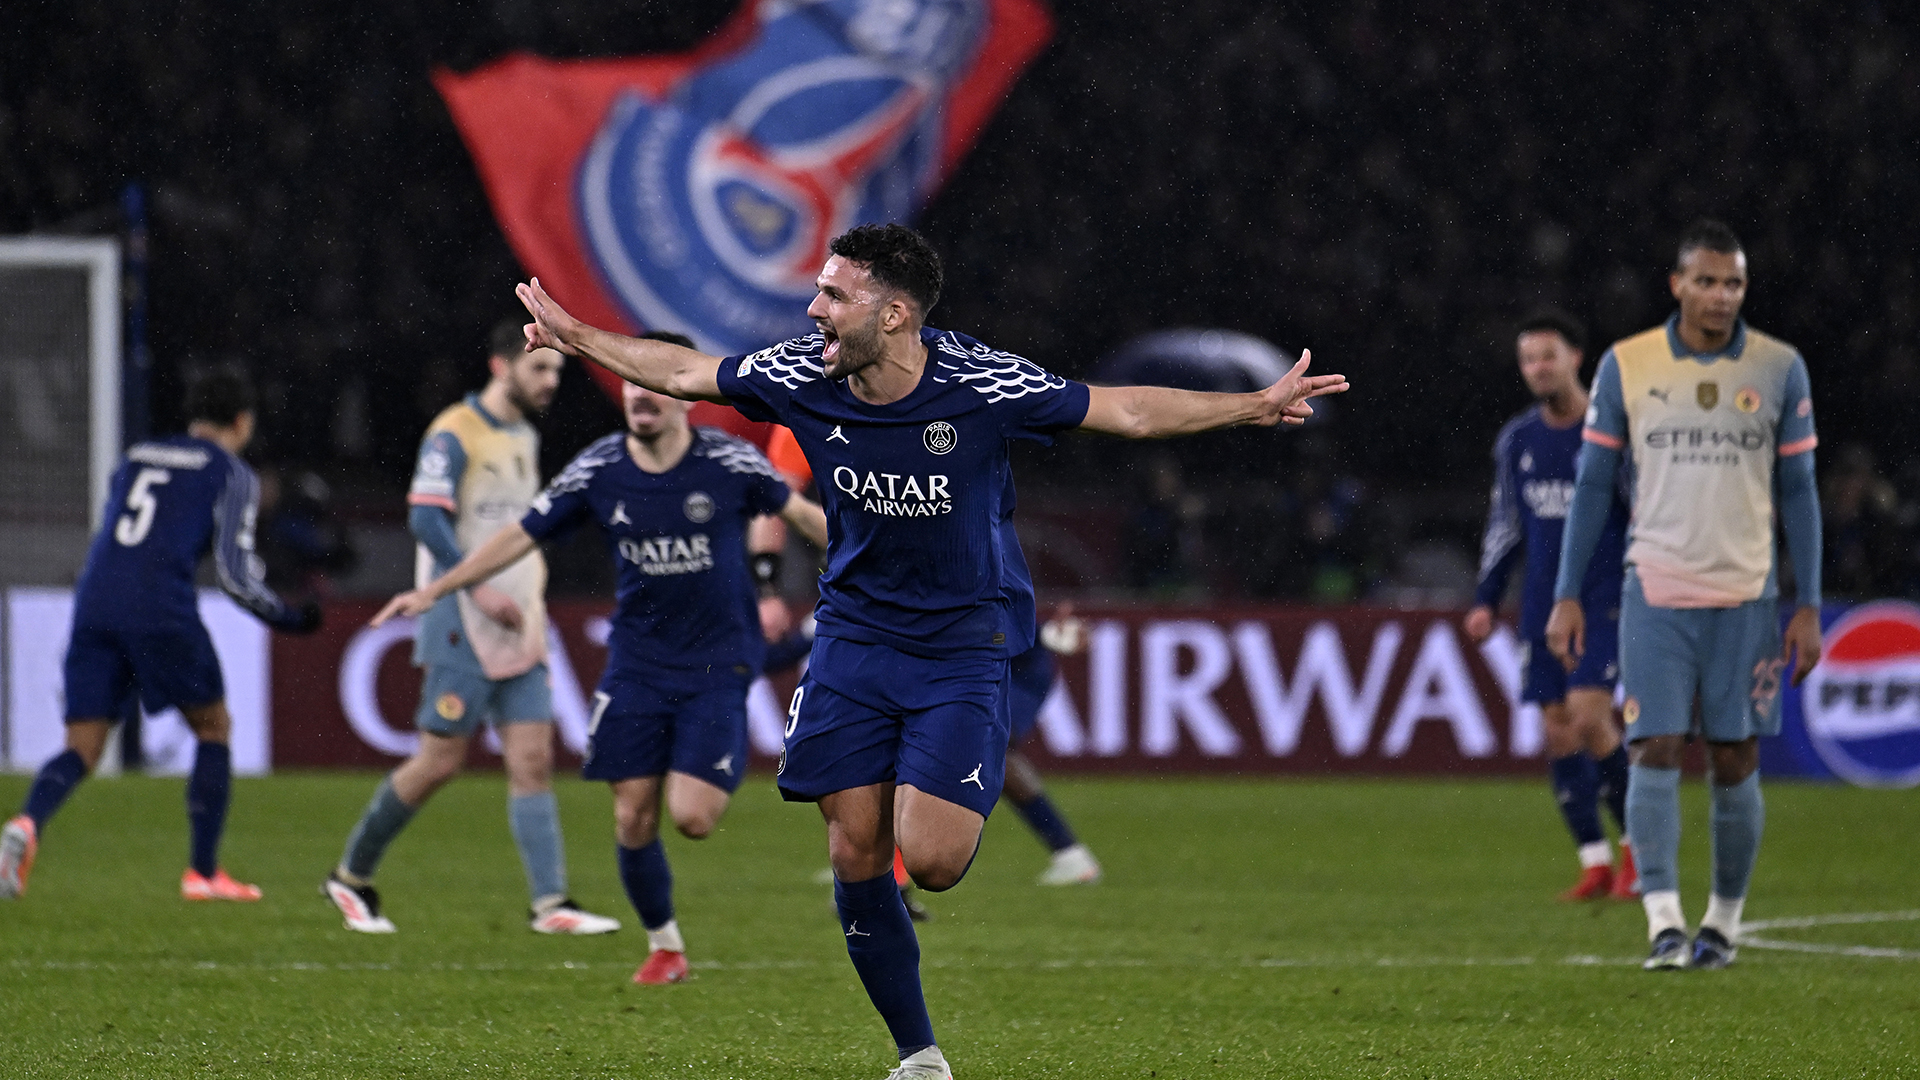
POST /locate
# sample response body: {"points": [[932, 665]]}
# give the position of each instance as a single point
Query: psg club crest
{"points": [[1862, 701], [698, 193]]}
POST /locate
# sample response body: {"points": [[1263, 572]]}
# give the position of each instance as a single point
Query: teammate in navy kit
{"points": [[1030, 680], [899, 730], [1533, 469], [670, 713], [136, 623]]}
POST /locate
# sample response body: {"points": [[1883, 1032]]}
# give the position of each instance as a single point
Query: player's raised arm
{"points": [[501, 550], [1159, 412], [673, 370]]}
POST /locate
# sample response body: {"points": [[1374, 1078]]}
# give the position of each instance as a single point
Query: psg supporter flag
{"points": [[697, 192]]}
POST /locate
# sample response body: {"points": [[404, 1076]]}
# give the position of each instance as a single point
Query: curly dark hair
{"points": [[898, 258], [1551, 318], [1714, 236]]}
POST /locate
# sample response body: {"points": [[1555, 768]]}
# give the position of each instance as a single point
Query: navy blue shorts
{"points": [[1031, 677], [1545, 681], [176, 668], [639, 729], [869, 714]]}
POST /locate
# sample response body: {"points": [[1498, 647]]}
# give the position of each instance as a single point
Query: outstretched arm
{"points": [[664, 368], [1158, 412], [501, 550]]}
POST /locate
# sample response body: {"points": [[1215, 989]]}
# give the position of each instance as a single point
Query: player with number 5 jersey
{"points": [[899, 730], [136, 624]]}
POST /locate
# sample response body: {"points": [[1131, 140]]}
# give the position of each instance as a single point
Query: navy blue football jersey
{"points": [[921, 552], [171, 501], [685, 591], [1533, 470]]}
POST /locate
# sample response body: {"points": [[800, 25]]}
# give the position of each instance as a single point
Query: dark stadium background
{"points": [[1390, 184]]}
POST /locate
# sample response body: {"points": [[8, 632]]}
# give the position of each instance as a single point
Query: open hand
{"points": [[1287, 399], [412, 603], [552, 327]]}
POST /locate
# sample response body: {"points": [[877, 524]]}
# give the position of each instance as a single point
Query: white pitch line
{"points": [[1804, 922]]}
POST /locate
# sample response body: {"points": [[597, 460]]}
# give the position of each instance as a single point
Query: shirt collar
{"points": [[1735, 346]]}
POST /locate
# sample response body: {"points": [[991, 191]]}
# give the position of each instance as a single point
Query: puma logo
{"points": [[1656, 392]]}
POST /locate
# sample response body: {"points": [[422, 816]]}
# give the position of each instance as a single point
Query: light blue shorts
{"points": [[454, 699], [1726, 659]]}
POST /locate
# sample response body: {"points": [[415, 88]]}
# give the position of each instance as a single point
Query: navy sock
{"points": [[649, 881], [209, 787], [1613, 784], [1576, 786], [56, 781], [885, 952], [1046, 823]]}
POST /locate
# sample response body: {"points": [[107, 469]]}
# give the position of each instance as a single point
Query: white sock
{"points": [[1724, 915], [666, 938], [1663, 912], [1598, 853]]}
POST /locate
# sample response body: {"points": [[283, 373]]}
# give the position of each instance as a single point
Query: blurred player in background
{"points": [[670, 713], [1030, 679], [1720, 420], [484, 650], [899, 730], [136, 623], [1533, 470]]}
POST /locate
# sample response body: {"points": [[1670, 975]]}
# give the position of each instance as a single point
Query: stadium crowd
{"points": [[1391, 184]]}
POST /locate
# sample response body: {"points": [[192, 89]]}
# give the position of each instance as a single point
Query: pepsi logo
{"points": [[1862, 701]]}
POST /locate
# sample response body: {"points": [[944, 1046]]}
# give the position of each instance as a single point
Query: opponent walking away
{"points": [[1708, 405], [899, 729], [484, 650], [1533, 470], [136, 623], [670, 713]]}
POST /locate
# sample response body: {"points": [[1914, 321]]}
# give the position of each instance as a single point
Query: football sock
{"points": [[379, 823], [649, 882], [1663, 912], [1613, 784], [1046, 823], [1653, 820], [1739, 817], [886, 954], [56, 781], [1723, 915], [535, 820], [1576, 786], [209, 787]]}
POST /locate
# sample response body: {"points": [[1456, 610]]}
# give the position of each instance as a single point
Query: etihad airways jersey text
{"points": [[918, 493], [685, 604]]}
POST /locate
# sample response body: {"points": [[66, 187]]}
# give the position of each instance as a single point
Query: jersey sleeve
{"points": [[1038, 415], [1500, 545], [767, 494], [241, 573], [760, 385], [567, 500], [1607, 410], [437, 472], [1796, 412]]}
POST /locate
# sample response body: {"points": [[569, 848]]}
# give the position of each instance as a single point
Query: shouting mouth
{"points": [[833, 343]]}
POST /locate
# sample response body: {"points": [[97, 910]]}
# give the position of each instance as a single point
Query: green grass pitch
{"points": [[1246, 928]]}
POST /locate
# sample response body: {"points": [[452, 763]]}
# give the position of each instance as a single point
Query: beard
{"points": [[528, 404], [859, 349]]}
